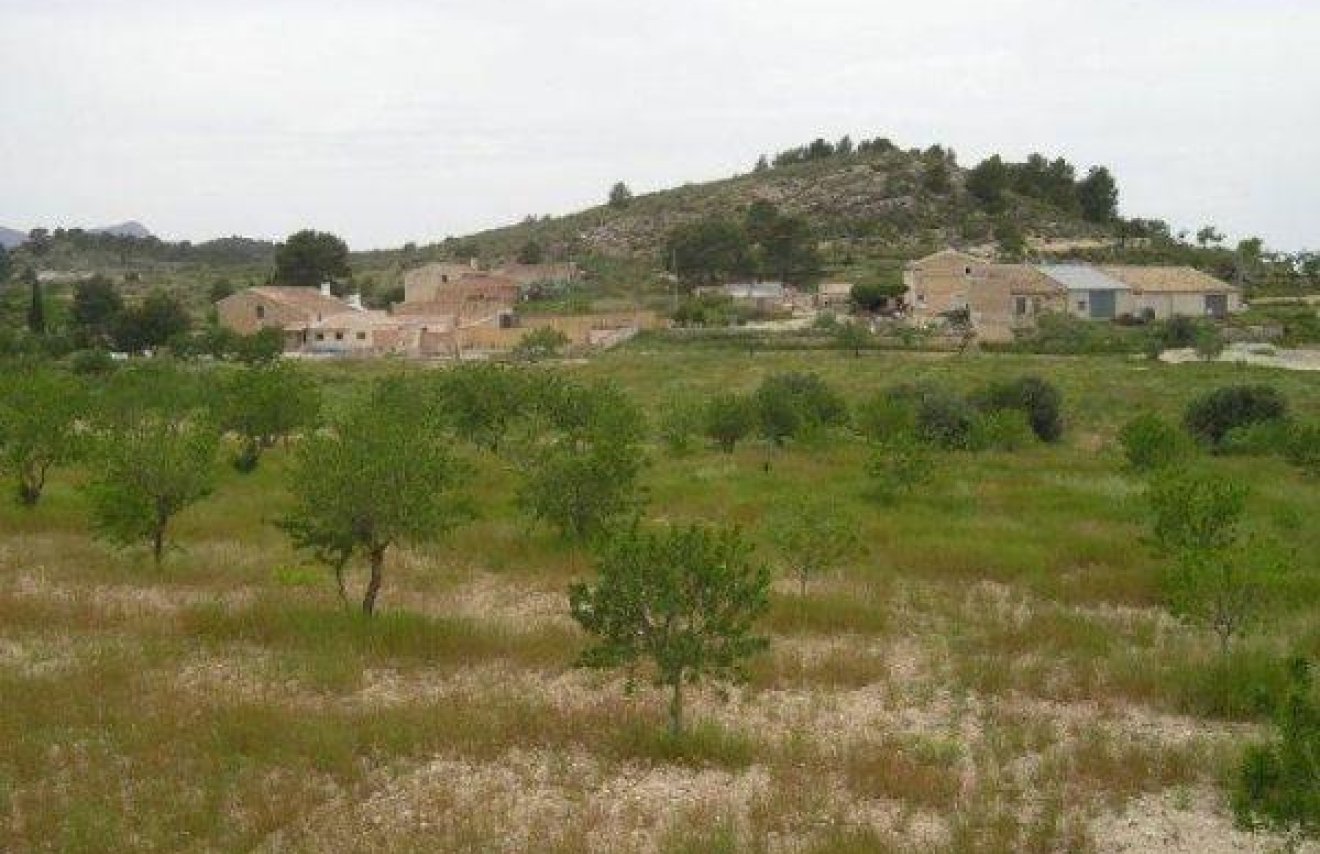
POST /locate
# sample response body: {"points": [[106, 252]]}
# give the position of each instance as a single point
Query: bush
{"points": [[1149, 442], [946, 420], [679, 423], [1261, 439], [1279, 782], [1039, 400], [793, 405], [898, 465], [91, 363], [1211, 416], [884, 415], [1302, 448]]}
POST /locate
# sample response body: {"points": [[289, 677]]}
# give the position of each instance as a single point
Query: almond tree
{"points": [[682, 600], [39, 411], [375, 479], [147, 471]]}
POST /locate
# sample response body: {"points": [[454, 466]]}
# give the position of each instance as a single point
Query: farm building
{"points": [[1003, 298]]}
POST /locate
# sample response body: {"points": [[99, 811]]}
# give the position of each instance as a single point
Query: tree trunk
{"points": [[158, 543], [339, 583], [28, 493], [676, 707], [377, 557]]}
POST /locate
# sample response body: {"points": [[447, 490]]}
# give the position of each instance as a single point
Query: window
{"points": [[1020, 306], [261, 312], [362, 336], [921, 299], [444, 278], [967, 270], [1081, 305], [339, 336], [320, 336]]}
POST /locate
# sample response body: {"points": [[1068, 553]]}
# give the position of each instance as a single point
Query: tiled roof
{"points": [[1021, 278], [310, 300], [1168, 279]]}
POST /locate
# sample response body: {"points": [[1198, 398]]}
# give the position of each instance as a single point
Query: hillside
{"points": [[890, 201]]}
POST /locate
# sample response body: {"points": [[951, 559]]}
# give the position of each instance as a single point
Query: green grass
{"points": [[1010, 578]]}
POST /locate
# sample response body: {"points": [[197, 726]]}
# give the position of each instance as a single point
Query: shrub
{"points": [[1039, 400], [1260, 439], [91, 363], [884, 415], [1211, 416], [792, 405], [1149, 442], [680, 422], [1279, 782], [1302, 447], [898, 465], [946, 420]]}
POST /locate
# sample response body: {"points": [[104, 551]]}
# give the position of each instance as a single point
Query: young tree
{"points": [[792, 405], [728, 419], [374, 480], [309, 258], [148, 471], [814, 537], [583, 474], [39, 410], [1279, 781], [852, 337], [684, 600], [263, 404], [1214, 581], [899, 463]]}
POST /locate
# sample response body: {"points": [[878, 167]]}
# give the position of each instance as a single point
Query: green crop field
{"points": [[994, 670]]}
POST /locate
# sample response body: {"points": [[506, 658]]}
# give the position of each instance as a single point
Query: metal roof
{"points": [[1082, 277]]}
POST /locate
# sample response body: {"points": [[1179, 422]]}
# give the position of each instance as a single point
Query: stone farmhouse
{"points": [[449, 310], [1003, 298]]}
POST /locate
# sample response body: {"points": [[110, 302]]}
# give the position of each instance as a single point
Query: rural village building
{"points": [[1003, 298], [448, 310]]}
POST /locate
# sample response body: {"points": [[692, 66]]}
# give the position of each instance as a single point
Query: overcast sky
{"points": [[391, 121]]}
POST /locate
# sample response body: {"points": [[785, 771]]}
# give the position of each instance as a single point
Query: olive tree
{"points": [[683, 601], [147, 471], [373, 480], [39, 411]]}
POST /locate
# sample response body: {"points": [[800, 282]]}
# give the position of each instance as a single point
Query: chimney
{"points": [[355, 302], [325, 289]]}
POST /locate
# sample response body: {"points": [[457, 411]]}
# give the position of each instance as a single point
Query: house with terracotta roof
{"points": [[294, 310]]}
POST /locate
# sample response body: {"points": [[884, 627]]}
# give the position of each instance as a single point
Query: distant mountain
{"points": [[12, 237], [132, 228], [9, 238]]}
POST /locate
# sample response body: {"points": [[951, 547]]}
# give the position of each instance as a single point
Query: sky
{"points": [[395, 120]]}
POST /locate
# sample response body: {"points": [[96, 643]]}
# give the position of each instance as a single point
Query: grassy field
{"points": [[994, 673]]}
